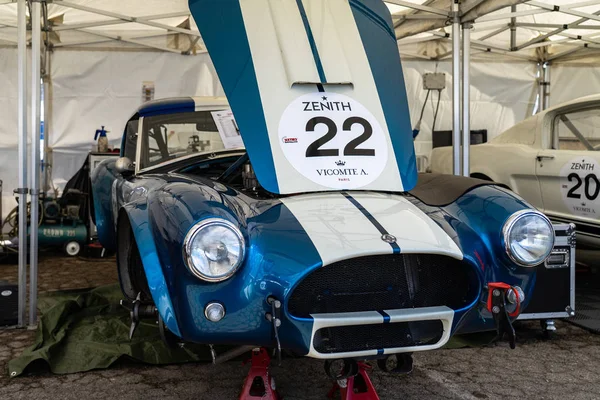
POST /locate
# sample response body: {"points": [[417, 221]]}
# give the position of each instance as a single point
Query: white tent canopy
{"points": [[541, 30], [530, 30]]}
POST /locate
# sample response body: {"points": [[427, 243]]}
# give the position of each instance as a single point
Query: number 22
{"points": [[314, 149]]}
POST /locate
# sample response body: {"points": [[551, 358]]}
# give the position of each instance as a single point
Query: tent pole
{"points": [[540, 95], [22, 125], [542, 86], [547, 85], [36, 35], [48, 91], [466, 126], [456, 153], [513, 29]]}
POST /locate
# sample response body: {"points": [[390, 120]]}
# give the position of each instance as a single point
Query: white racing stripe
{"points": [[274, 72], [340, 230], [348, 226], [328, 38], [336, 227], [414, 230]]}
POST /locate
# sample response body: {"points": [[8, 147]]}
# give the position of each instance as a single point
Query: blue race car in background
{"points": [[301, 224]]}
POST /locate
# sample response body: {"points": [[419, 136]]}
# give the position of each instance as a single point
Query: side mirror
{"points": [[125, 167]]}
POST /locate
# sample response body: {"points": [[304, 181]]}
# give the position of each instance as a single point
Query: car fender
{"points": [[138, 214], [103, 179], [441, 160], [159, 221]]}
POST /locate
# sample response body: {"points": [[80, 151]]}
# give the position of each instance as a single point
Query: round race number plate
{"points": [[580, 186], [333, 140]]}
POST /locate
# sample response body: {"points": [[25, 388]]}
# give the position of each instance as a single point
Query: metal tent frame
{"points": [[462, 17], [414, 23]]}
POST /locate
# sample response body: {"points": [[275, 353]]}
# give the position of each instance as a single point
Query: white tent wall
{"points": [[572, 81], [8, 127], [94, 89], [502, 94], [90, 89]]}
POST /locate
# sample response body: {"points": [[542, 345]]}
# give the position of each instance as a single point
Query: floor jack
{"points": [[357, 387], [259, 384], [496, 304], [352, 380]]}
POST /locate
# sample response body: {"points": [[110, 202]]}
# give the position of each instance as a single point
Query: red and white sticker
{"points": [[580, 186], [333, 140]]}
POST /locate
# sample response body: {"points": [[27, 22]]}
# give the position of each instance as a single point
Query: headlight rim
{"points": [[510, 223], [197, 227]]}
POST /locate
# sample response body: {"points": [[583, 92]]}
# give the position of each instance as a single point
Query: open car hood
{"points": [[317, 91]]}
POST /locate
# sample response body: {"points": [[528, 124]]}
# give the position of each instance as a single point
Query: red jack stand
{"points": [[259, 384], [358, 387]]}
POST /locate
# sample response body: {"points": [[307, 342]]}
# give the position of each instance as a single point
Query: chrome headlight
{"points": [[214, 249], [528, 237]]}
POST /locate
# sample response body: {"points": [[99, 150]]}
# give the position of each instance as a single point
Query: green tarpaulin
{"points": [[81, 330]]}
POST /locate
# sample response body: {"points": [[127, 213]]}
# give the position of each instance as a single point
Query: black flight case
{"points": [[554, 292]]}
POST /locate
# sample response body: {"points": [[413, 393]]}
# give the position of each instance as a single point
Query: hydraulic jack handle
{"points": [[496, 304]]}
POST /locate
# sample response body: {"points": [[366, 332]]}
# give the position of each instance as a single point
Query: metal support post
{"points": [[546, 85], [466, 125], [540, 87], [22, 127], [543, 86], [513, 29], [36, 36], [456, 164]]}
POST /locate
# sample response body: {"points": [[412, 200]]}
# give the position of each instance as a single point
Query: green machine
{"points": [[62, 223], [62, 226]]}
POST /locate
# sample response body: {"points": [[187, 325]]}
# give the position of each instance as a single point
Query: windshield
{"points": [[167, 137]]}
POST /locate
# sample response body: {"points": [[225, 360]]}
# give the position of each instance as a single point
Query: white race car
{"points": [[551, 159]]}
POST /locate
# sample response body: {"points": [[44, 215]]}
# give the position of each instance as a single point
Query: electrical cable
{"points": [[423, 108], [417, 127], [437, 108]]}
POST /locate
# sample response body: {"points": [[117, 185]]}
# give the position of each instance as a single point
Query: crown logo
{"points": [[340, 163]]}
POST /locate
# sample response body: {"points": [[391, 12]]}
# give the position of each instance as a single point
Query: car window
{"points": [[167, 137], [131, 132], [578, 130]]}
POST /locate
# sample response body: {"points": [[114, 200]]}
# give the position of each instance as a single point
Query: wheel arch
{"points": [[133, 221], [482, 176], [486, 177], [132, 278]]}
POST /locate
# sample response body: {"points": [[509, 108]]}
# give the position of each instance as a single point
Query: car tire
{"points": [[132, 277]]}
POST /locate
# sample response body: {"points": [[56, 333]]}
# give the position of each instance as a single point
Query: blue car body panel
{"points": [[162, 208]]}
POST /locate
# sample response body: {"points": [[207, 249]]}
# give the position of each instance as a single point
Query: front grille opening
{"points": [[341, 339], [385, 282]]}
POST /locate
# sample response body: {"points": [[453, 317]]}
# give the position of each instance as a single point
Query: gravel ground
{"points": [[565, 367]]}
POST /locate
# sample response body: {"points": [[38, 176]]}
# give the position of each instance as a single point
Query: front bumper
{"points": [[373, 319]]}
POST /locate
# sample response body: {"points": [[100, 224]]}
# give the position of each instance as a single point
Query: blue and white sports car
{"points": [[301, 223]]}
